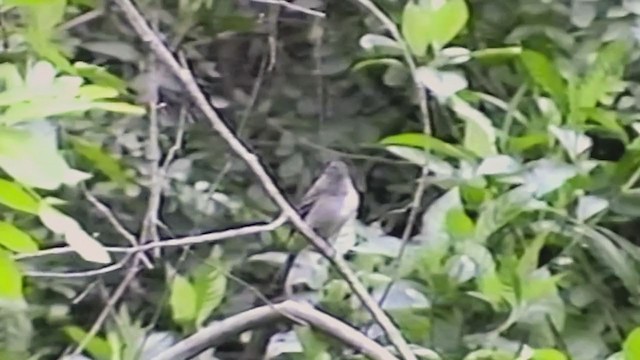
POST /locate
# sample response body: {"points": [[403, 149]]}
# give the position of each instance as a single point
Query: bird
{"points": [[328, 204]]}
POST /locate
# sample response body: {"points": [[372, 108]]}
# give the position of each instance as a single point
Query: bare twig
{"points": [[184, 241], [103, 270], [117, 294], [293, 7], [218, 332], [104, 209], [156, 180], [186, 78]]}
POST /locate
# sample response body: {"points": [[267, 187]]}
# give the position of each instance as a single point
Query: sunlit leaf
{"points": [[100, 159], [479, 133], [183, 300], [545, 175], [14, 196], [81, 242], [427, 142], [545, 74], [15, 239], [631, 346], [209, 284], [574, 142], [11, 284], [442, 84], [31, 158], [435, 23], [97, 346], [589, 206]]}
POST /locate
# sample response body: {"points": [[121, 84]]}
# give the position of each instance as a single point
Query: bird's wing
{"points": [[311, 196]]}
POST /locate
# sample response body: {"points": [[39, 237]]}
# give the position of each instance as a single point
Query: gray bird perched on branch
{"points": [[331, 201], [328, 204]]}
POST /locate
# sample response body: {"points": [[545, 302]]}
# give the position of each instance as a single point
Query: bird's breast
{"points": [[351, 202]]}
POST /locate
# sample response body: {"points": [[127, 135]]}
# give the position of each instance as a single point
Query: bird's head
{"points": [[337, 169]]}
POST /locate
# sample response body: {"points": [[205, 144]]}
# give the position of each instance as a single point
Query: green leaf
{"points": [[81, 242], [11, 284], [98, 347], [15, 239], [545, 74], [209, 284], [415, 27], [14, 196], [548, 354], [631, 346], [479, 133], [603, 74], [497, 54], [99, 158], [498, 212], [313, 345], [95, 92], [427, 142], [459, 224], [100, 76], [435, 24], [546, 175], [33, 159], [435, 228], [183, 300]]}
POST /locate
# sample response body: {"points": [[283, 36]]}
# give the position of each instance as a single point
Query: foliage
{"points": [[525, 246]]}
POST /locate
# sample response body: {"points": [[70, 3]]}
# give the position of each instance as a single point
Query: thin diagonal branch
{"points": [[200, 101]]}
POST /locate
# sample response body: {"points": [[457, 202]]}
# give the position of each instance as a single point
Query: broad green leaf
{"points": [[545, 175], [11, 284], [100, 159], [81, 242], [41, 109], [100, 76], [545, 74], [415, 27], [590, 205], [32, 159], [183, 300], [631, 346], [314, 346], [498, 165], [479, 133], [427, 142], [95, 92], [459, 224], [436, 23], [529, 260], [15, 197], [447, 21], [442, 84], [98, 347], [15, 239], [210, 285], [498, 212], [492, 289], [434, 227], [573, 142], [602, 75], [411, 154]]}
